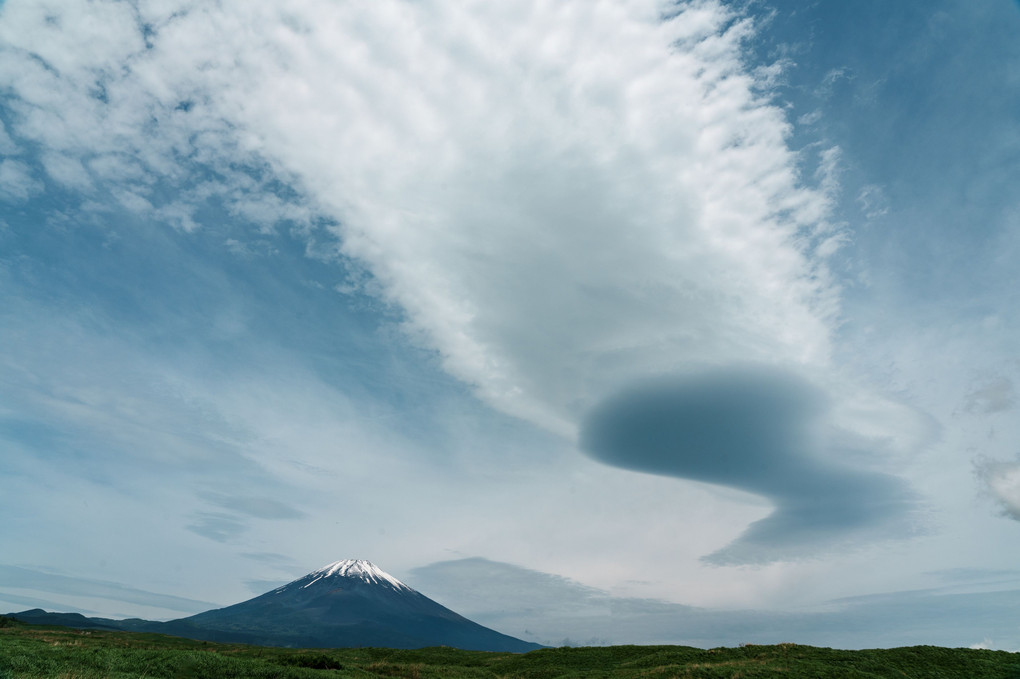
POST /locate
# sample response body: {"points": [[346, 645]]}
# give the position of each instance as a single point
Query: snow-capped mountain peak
{"points": [[345, 604], [356, 568]]}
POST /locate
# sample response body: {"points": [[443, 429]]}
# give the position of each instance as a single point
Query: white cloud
{"points": [[810, 118], [66, 170], [989, 645], [1002, 481], [16, 180], [561, 198], [561, 201], [110, 111], [7, 145], [873, 202], [832, 79]]}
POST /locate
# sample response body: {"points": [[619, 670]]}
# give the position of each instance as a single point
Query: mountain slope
{"points": [[344, 604]]}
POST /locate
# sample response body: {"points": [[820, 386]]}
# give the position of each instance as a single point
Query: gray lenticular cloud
{"points": [[758, 430]]}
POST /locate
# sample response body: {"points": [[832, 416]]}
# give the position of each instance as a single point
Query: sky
{"points": [[624, 321]]}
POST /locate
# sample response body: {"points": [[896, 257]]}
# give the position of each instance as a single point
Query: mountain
{"points": [[344, 604]]}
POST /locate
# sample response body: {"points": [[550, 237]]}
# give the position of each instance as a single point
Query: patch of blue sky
{"points": [[923, 112], [106, 308], [217, 293]]}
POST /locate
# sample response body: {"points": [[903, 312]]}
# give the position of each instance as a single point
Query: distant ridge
{"points": [[346, 603]]}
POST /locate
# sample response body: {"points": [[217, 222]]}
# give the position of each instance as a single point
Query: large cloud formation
{"points": [[559, 198]]}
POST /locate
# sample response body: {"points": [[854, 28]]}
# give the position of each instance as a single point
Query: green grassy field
{"points": [[29, 651]]}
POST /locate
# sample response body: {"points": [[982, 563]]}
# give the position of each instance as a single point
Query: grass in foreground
{"points": [[42, 652]]}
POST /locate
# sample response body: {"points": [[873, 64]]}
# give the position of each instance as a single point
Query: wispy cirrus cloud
{"points": [[604, 194], [15, 577]]}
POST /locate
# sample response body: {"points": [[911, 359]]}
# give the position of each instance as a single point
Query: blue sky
{"points": [[657, 311]]}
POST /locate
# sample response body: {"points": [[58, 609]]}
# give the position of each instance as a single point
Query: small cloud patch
{"points": [[257, 507], [995, 396], [1001, 480], [217, 526]]}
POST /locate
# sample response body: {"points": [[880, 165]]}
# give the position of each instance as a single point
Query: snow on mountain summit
{"points": [[355, 568]]}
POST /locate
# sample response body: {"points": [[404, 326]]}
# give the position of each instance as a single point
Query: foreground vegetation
{"points": [[31, 651]]}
